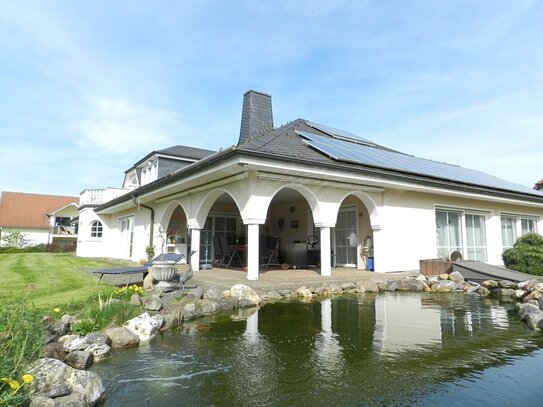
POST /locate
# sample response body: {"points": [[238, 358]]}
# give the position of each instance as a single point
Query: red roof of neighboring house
{"points": [[19, 209]]}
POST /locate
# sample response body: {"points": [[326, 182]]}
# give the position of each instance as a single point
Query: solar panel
{"points": [[348, 151], [338, 133]]}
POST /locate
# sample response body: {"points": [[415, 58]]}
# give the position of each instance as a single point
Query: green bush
{"points": [[21, 343], [526, 255]]}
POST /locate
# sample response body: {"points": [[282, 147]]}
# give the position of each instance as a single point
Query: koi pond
{"points": [[393, 349]]}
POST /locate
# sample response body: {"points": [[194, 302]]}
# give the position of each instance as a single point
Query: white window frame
{"points": [[518, 218], [96, 229], [463, 245]]}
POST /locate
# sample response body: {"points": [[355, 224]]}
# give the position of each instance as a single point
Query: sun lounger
{"points": [[170, 257]]}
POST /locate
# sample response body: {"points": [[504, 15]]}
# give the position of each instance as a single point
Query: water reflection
{"points": [[367, 349]]}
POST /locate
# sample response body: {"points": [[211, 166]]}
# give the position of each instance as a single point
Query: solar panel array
{"points": [[338, 133], [352, 152]]}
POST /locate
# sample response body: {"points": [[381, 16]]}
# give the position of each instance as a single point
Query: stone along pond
{"points": [[398, 349]]}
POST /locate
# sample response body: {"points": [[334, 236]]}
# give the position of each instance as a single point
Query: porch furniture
{"points": [[272, 251], [232, 254], [218, 258], [170, 257]]}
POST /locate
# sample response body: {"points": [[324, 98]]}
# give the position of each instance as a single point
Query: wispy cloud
{"points": [[118, 126]]}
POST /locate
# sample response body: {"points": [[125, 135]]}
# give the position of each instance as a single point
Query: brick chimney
{"points": [[256, 116]]}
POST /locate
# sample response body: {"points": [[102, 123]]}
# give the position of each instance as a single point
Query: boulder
{"points": [[336, 289], [41, 401], [196, 293], [432, 279], [304, 292], [171, 321], [209, 307], [490, 284], [531, 314], [483, 291], [519, 294], [58, 390], [456, 276], [410, 284], [534, 295], [533, 285], [348, 286], [243, 292], [100, 351], [135, 300], [87, 388], [540, 301], [381, 285], [79, 359], [144, 326], [444, 286], [213, 293], [98, 338], [391, 285], [55, 350], [421, 277], [270, 296], [443, 276], [152, 303], [73, 342], [122, 338], [507, 284]]}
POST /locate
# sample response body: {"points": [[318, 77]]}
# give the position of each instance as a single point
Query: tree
{"points": [[13, 239]]}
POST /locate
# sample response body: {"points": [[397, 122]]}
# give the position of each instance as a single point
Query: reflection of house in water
{"points": [[403, 323]]}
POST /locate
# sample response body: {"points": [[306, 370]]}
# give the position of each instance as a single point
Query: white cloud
{"points": [[120, 126]]}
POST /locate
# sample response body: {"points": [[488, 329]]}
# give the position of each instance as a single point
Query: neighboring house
{"points": [[40, 218], [331, 198]]}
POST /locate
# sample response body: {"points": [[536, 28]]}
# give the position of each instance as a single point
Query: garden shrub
{"points": [[21, 343], [526, 255]]}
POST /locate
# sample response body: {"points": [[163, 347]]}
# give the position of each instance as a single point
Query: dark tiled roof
{"points": [[186, 152], [286, 142]]}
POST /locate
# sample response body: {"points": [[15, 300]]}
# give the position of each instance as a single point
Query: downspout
{"points": [[152, 226]]}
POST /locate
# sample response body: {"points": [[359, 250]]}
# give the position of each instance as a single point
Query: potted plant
{"points": [[150, 251]]}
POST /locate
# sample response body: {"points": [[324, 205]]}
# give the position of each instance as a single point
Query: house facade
{"points": [[324, 197], [42, 219]]}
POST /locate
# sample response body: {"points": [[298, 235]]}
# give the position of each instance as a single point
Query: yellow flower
{"points": [[14, 384], [27, 378], [57, 310]]}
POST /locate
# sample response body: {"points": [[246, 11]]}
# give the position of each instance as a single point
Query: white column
{"points": [[252, 251], [251, 329], [195, 245], [326, 267]]}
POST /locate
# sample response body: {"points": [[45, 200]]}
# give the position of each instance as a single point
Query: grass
{"points": [[51, 279]]}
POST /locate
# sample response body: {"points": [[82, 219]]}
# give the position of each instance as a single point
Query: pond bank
{"points": [[167, 310]]}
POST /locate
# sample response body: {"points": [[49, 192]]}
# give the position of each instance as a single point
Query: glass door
{"points": [[346, 238], [127, 236]]}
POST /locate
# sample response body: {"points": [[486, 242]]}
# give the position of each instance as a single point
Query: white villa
{"points": [[319, 196]]}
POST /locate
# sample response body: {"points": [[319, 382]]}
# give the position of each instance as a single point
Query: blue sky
{"points": [[88, 88]]}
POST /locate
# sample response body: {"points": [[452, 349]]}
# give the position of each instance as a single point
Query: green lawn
{"points": [[50, 279]]}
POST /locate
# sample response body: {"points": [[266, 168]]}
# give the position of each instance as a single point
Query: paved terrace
{"points": [[272, 279]]}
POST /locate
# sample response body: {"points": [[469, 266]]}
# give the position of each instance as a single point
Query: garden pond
{"points": [[398, 349]]}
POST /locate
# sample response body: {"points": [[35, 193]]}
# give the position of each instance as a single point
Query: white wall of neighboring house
{"points": [[32, 236]]}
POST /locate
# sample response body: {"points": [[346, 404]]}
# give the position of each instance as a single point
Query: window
{"points": [[449, 232], [516, 225], [528, 226], [96, 229], [476, 237], [462, 231], [509, 231]]}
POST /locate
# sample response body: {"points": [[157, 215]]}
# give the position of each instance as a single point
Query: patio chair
{"points": [[228, 253], [273, 252], [218, 257], [175, 258]]}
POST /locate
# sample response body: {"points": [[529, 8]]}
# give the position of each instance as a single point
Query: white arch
{"points": [[207, 202], [370, 205], [168, 212], [303, 190]]}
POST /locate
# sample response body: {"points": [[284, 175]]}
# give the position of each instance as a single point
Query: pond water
{"points": [[387, 349]]}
